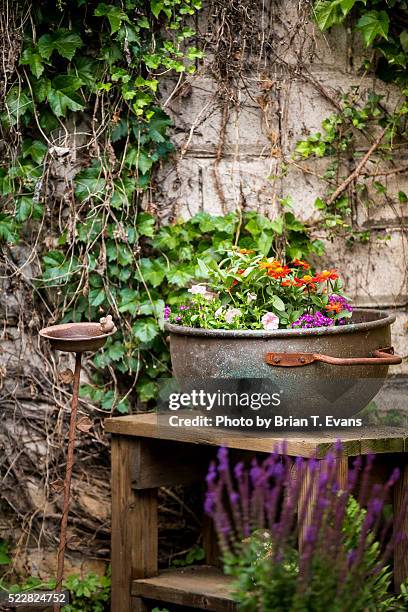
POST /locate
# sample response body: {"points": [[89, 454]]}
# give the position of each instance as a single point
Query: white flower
{"points": [[218, 312], [270, 321], [231, 314], [198, 290], [251, 297]]}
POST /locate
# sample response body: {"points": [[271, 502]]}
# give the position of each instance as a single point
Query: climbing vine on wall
{"points": [[363, 141], [86, 126]]}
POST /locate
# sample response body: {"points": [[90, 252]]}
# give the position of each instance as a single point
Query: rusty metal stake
{"points": [[68, 477], [74, 338]]}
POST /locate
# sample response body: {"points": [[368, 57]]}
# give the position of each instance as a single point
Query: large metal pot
{"points": [[322, 371]]}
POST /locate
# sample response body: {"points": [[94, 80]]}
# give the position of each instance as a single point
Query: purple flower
{"points": [[313, 320], [209, 504], [339, 299], [166, 312]]}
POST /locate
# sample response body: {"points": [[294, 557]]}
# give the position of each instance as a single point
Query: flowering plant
{"points": [[248, 291], [260, 512]]}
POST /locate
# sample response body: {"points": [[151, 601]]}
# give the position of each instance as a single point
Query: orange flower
{"points": [[326, 275], [306, 281], [270, 265], [287, 283], [278, 272], [334, 307], [299, 263], [241, 271], [246, 251]]}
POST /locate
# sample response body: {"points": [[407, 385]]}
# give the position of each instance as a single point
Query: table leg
{"points": [[139, 605], [401, 527], [134, 525]]}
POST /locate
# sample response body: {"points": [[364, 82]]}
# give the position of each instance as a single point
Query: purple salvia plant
{"points": [[299, 500]]}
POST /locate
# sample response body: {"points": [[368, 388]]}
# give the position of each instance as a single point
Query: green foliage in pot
{"points": [[248, 291]]}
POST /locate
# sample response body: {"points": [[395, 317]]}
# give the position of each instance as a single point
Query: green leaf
{"points": [[4, 556], [60, 103], [146, 390], [152, 271], [156, 6], [278, 303], [145, 224], [97, 297], [402, 197], [145, 329], [63, 41], [404, 40], [34, 149], [116, 351], [373, 24], [179, 275], [67, 83], [129, 300], [108, 400], [24, 208], [31, 58], [114, 14], [89, 184]]}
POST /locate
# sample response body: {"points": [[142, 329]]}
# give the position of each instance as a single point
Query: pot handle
{"points": [[382, 356]]}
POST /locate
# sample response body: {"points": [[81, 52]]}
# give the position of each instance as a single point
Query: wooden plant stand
{"points": [[146, 457]]}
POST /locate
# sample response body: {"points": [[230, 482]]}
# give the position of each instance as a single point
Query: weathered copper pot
{"points": [[321, 371]]}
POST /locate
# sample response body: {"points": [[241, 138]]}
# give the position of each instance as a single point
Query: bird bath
{"points": [[74, 338]]}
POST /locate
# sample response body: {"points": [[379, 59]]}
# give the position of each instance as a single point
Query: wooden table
{"points": [[146, 456]]}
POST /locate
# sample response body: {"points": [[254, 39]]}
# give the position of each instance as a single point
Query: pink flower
{"points": [[270, 321], [231, 314]]}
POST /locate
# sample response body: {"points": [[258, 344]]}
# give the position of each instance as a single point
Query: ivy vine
{"points": [[363, 139]]}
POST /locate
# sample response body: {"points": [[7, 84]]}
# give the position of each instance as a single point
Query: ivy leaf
{"points": [[373, 24], [179, 275], [97, 297], [108, 400], [129, 301], [67, 83], [157, 6], [24, 208], [404, 40], [145, 329], [152, 271], [89, 184], [8, 230], [30, 57], [145, 224], [63, 41], [17, 104], [146, 390], [113, 13], [35, 149], [41, 89], [61, 102], [116, 351], [4, 556]]}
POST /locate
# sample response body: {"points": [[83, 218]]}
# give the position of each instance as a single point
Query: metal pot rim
{"points": [[382, 319]]}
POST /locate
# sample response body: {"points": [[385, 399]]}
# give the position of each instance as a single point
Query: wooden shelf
{"points": [[355, 441], [203, 587]]}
